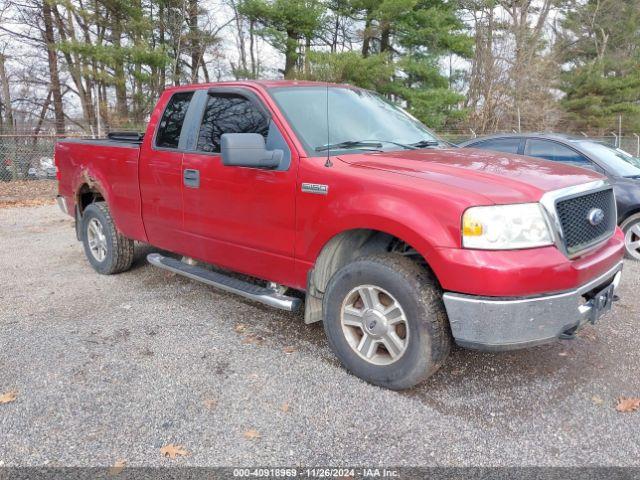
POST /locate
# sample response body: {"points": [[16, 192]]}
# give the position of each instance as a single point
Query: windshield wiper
{"points": [[426, 143], [365, 143], [349, 144]]}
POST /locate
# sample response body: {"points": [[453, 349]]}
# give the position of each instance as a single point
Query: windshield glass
{"points": [[614, 160], [357, 120]]}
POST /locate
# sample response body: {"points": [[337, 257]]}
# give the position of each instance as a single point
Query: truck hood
{"points": [[499, 177]]}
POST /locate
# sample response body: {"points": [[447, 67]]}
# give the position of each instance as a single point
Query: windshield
{"points": [[615, 160], [357, 120]]}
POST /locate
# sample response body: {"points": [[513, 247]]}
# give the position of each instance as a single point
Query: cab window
{"points": [[555, 152], [170, 127], [229, 113], [507, 145]]}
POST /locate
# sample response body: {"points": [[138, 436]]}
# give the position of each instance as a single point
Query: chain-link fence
{"points": [[30, 157], [26, 157]]}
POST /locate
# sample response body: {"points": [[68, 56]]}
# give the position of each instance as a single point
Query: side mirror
{"points": [[248, 150]]}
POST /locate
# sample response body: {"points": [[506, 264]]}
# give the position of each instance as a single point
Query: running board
{"points": [[226, 283]]}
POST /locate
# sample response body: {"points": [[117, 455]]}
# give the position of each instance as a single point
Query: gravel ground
{"points": [[110, 368]]}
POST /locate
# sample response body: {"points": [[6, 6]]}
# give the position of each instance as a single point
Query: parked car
{"points": [[400, 243], [621, 168], [6, 172], [46, 169]]}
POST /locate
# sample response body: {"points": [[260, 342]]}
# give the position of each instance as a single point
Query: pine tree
{"points": [[602, 48]]}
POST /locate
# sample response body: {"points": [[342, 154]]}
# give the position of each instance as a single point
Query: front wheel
{"points": [[107, 250], [631, 229], [385, 320]]}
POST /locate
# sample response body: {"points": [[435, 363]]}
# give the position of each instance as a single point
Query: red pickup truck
{"points": [[401, 243]]}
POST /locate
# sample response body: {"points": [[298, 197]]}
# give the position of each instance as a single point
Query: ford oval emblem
{"points": [[596, 216]]}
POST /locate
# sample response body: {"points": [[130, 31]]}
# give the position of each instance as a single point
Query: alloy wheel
{"points": [[97, 240], [632, 240], [374, 325]]}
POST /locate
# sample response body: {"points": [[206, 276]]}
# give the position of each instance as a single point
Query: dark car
{"points": [[622, 169]]}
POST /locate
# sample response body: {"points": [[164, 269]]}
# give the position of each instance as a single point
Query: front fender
{"points": [[411, 222]]}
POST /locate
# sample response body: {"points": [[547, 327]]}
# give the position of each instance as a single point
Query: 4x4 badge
{"points": [[315, 188]]}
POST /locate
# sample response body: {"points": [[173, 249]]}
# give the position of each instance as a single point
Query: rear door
{"points": [[238, 217], [161, 173]]}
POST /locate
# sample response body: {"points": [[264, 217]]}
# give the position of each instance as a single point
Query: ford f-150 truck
{"points": [[400, 243]]}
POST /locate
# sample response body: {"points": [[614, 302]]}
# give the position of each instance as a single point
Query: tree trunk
{"points": [[43, 114], [385, 36], [75, 66], [307, 51], [242, 44], [118, 70], [52, 56], [254, 66], [194, 46], [366, 37], [163, 70], [6, 95], [290, 54]]}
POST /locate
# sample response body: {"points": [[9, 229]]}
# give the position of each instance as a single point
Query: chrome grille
{"points": [[578, 232]]}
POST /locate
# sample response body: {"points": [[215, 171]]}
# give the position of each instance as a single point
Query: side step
{"points": [[226, 283]]}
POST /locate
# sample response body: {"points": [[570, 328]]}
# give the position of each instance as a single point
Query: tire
{"points": [[631, 229], [395, 281], [115, 254]]}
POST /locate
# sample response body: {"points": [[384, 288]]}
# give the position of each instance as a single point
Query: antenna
{"points": [[328, 163]]}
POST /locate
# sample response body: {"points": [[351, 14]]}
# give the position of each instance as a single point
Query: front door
{"points": [[238, 217]]}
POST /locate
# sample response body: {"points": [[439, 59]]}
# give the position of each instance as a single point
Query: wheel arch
{"points": [[87, 194], [629, 214], [345, 247]]}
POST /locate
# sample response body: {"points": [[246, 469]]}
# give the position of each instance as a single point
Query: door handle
{"points": [[191, 178]]}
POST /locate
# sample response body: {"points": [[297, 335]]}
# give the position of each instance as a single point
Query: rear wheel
{"points": [[107, 250], [385, 320], [631, 229]]}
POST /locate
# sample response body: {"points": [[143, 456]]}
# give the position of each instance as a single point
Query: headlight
{"points": [[505, 227]]}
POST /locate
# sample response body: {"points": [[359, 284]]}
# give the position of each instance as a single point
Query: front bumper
{"points": [[488, 323]]}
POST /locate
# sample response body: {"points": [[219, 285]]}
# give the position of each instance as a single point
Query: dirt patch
{"points": [[27, 193]]}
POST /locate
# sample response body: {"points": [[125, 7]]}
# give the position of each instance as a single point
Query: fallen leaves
{"points": [[240, 328], [173, 451], [289, 350], [27, 193], [597, 400], [629, 404], [8, 397], [285, 407], [210, 403], [252, 434], [117, 467], [252, 340]]}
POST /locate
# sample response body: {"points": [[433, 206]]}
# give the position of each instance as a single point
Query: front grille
{"points": [[578, 232]]}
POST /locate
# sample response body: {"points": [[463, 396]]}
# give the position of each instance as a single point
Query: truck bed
{"points": [[110, 164], [114, 139]]}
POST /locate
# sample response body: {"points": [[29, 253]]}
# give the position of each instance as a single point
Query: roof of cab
{"points": [[265, 84]]}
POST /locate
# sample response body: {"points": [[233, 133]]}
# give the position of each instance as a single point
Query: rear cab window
{"points": [[170, 127]]}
